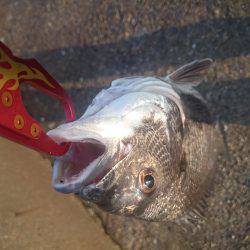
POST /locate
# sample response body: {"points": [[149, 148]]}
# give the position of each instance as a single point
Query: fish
{"points": [[145, 147]]}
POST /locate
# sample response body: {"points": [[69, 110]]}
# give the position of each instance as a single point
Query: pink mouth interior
{"points": [[79, 156]]}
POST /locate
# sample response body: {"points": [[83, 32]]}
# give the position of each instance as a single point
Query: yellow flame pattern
{"points": [[10, 70]]}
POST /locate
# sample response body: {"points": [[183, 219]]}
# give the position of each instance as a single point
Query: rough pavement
{"points": [[86, 44]]}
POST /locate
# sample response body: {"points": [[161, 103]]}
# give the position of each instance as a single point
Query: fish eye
{"points": [[147, 181]]}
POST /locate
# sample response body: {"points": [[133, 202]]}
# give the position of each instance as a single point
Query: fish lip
{"points": [[96, 192], [74, 183], [112, 152], [73, 186]]}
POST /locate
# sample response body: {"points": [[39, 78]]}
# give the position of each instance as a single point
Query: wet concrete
{"points": [[33, 215]]}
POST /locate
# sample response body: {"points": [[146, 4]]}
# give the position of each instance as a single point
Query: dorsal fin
{"points": [[191, 73]]}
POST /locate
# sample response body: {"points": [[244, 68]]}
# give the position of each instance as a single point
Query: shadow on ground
{"points": [[218, 39]]}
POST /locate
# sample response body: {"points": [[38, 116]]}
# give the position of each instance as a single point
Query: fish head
{"points": [[142, 148], [122, 155]]}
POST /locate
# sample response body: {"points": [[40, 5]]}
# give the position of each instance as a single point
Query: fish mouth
{"points": [[81, 166]]}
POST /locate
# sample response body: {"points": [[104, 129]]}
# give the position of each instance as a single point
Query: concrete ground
{"points": [[85, 45], [33, 215]]}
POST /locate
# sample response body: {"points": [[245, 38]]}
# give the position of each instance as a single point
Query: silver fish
{"points": [[145, 147]]}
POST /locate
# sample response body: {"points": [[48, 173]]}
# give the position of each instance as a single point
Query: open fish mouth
{"points": [[81, 166]]}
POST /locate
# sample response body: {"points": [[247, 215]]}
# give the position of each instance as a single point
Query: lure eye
{"points": [[147, 181]]}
